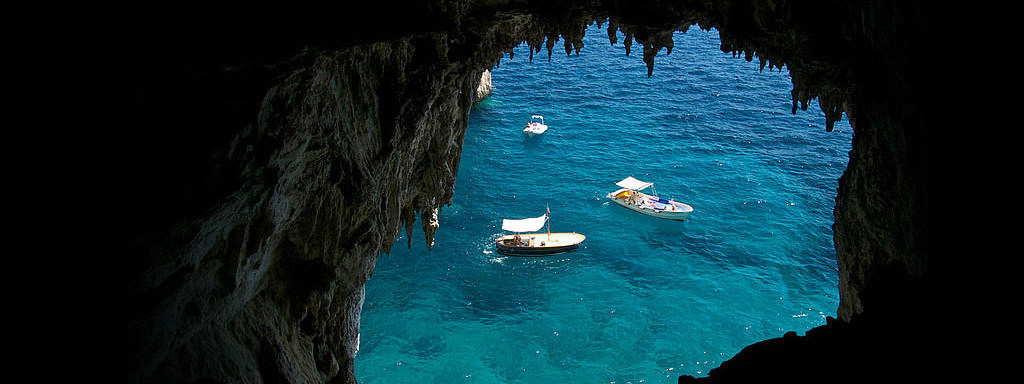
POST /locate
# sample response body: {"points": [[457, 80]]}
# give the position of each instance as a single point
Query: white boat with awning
{"points": [[535, 244], [535, 126], [629, 196]]}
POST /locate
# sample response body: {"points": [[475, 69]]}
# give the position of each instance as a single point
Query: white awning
{"points": [[537, 117], [634, 184], [524, 225]]}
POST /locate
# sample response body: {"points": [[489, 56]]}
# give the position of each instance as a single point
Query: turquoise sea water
{"points": [[644, 300]]}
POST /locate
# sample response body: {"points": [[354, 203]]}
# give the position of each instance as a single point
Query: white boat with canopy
{"points": [[629, 196], [535, 126], [535, 244]]}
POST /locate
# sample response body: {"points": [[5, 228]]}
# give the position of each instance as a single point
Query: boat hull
{"points": [[535, 129], [528, 251], [670, 215], [540, 244]]}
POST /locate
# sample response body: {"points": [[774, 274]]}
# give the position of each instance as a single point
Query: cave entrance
{"points": [[644, 299]]}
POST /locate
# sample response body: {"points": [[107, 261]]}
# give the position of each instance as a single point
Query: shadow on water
{"points": [[429, 347], [533, 142], [509, 287]]}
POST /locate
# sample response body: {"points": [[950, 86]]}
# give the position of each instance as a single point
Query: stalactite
{"points": [[613, 28], [649, 51], [653, 44], [408, 219], [430, 225]]}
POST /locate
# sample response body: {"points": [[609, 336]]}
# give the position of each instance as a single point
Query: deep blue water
{"points": [[645, 299]]}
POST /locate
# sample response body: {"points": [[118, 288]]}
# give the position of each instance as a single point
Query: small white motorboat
{"points": [[535, 126], [629, 196], [535, 244]]}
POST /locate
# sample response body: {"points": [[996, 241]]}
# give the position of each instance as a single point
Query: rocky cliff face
{"points": [[299, 163], [344, 152]]}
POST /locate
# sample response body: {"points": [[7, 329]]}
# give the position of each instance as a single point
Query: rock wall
{"points": [[882, 208], [258, 276], [343, 153], [889, 299]]}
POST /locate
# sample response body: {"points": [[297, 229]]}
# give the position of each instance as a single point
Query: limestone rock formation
{"points": [[486, 86], [341, 155]]}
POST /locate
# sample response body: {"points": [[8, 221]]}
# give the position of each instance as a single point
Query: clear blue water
{"points": [[645, 299]]}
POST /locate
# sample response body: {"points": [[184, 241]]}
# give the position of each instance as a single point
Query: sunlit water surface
{"points": [[645, 299]]}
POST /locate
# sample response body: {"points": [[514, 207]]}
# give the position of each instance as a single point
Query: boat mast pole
{"points": [[549, 221]]}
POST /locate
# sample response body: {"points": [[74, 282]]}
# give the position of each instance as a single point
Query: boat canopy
{"points": [[634, 184], [524, 225], [537, 117]]}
